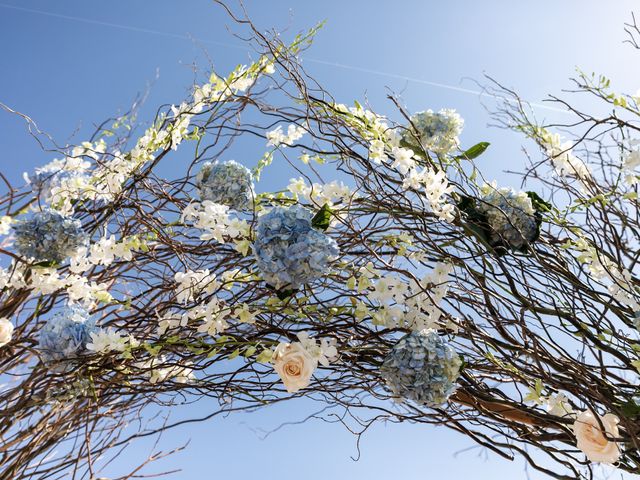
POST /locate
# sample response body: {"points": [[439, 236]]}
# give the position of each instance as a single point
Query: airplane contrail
{"points": [[307, 59]]}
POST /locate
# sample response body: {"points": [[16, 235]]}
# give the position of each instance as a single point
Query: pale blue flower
{"points": [[289, 252], [65, 335], [437, 132], [227, 183], [49, 236], [51, 176], [422, 367], [511, 217]]}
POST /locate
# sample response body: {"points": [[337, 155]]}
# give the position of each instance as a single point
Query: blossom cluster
{"points": [[433, 131], [105, 251], [5, 224], [413, 304], [277, 137], [631, 162], [49, 236], [434, 185], [161, 369], [72, 179], [564, 161], [320, 194], [422, 367], [288, 251], [65, 335], [226, 183], [510, 215], [6, 331], [191, 284], [217, 224], [59, 174], [108, 340], [602, 268], [78, 288]]}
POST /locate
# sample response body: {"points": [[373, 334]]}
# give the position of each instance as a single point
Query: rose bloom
{"points": [[592, 441], [294, 365], [6, 330]]}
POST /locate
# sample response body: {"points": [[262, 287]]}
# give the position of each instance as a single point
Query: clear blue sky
{"points": [[88, 59]]}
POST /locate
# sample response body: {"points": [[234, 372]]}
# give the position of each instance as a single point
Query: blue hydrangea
{"points": [[511, 217], [65, 335], [49, 236], [227, 183], [437, 132], [289, 252], [422, 367], [51, 176]]}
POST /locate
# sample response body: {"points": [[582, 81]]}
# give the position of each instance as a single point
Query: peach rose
{"points": [[294, 365], [592, 441], [6, 331]]}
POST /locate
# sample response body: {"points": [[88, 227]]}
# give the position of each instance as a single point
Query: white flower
{"points": [[214, 219], [403, 161], [558, 405], [436, 186], [320, 194], [565, 163], [213, 317], [169, 323], [192, 283], [5, 224], [244, 315], [277, 138], [631, 162], [159, 370], [592, 441], [109, 340], [324, 353], [299, 187], [294, 365], [6, 331], [376, 152]]}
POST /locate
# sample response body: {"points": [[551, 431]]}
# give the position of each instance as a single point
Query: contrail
{"points": [[307, 59]]}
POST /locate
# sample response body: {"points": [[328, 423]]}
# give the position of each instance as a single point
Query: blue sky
{"points": [[86, 60]]}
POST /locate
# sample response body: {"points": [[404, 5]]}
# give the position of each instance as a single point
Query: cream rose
{"points": [[6, 330], [294, 365], [591, 440]]}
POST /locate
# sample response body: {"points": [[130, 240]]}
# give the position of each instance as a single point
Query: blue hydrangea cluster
{"points": [[65, 335], [51, 176], [422, 367], [49, 236], [289, 252], [227, 183], [511, 217], [437, 132]]}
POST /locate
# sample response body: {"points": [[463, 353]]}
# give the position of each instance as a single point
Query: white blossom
{"points": [[277, 138], [107, 340], [192, 283]]}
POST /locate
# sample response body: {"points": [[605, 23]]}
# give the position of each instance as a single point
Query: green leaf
{"points": [[284, 294], [466, 204], [538, 203], [475, 151], [322, 219], [630, 409], [46, 264]]}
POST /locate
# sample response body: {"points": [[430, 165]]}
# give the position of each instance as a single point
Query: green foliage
{"points": [[538, 203], [322, 219], [474, 152]]}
